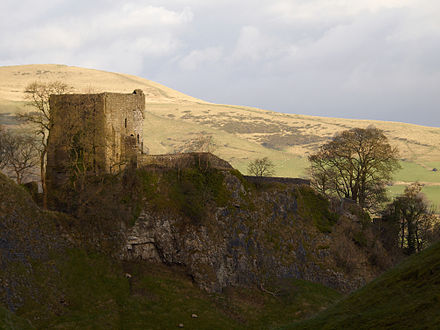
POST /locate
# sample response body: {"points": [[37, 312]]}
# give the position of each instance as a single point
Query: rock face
{"points": [[253, 236]]}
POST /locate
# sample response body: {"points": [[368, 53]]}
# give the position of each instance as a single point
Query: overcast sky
{"points": [[368, 59]]}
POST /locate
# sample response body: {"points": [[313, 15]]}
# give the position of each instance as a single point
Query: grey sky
{"points": [[369, 59]]}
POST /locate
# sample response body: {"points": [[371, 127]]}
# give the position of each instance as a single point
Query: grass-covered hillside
{"points": [[50, 278], [241, 133], [406, 297]]}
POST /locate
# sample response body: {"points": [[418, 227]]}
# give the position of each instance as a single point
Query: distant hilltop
{"points": [[13, 80]]}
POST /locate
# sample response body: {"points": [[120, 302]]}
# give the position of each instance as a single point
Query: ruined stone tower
{"points": [[94, 133]]}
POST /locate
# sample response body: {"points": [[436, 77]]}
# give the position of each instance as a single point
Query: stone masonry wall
{"points": [[106, 128], [264, 179], [184, 160], [124, 127], [76, 120]]}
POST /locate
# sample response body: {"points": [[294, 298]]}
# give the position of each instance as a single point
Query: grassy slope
{"points": [[165, 134], [57, 285], [423, 173], [242, 133], [97, 295], [406, 297], [418, 172], [9, 321]]}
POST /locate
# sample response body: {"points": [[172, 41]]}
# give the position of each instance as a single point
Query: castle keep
{"points": [[102, 133], [94, 133]]}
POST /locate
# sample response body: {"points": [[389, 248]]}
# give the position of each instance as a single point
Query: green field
{"points": [[412, 172], [432, 193]]}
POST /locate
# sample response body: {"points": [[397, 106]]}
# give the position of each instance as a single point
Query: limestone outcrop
{"points": [[253, 235]]}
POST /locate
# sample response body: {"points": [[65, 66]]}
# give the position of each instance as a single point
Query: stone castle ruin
{"points": [[103, 133], [94, 133]]}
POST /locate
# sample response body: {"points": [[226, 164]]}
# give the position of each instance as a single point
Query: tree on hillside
{"points": [[415, 220], [37, 94], [22, 155], [18, 154], [261, 167], [356, 164]]}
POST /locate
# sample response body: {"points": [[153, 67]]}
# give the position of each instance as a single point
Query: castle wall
{"points": [[94, 133], [124, 125], [185, 160], [75, 141], [274, 179]]}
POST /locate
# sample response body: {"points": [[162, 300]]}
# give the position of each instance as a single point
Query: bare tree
{"points": [[261, 167], [20, 154], [37, 94]]}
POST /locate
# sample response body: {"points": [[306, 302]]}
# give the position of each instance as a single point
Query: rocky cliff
{"points": [[59, 270], [226, 231]]}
